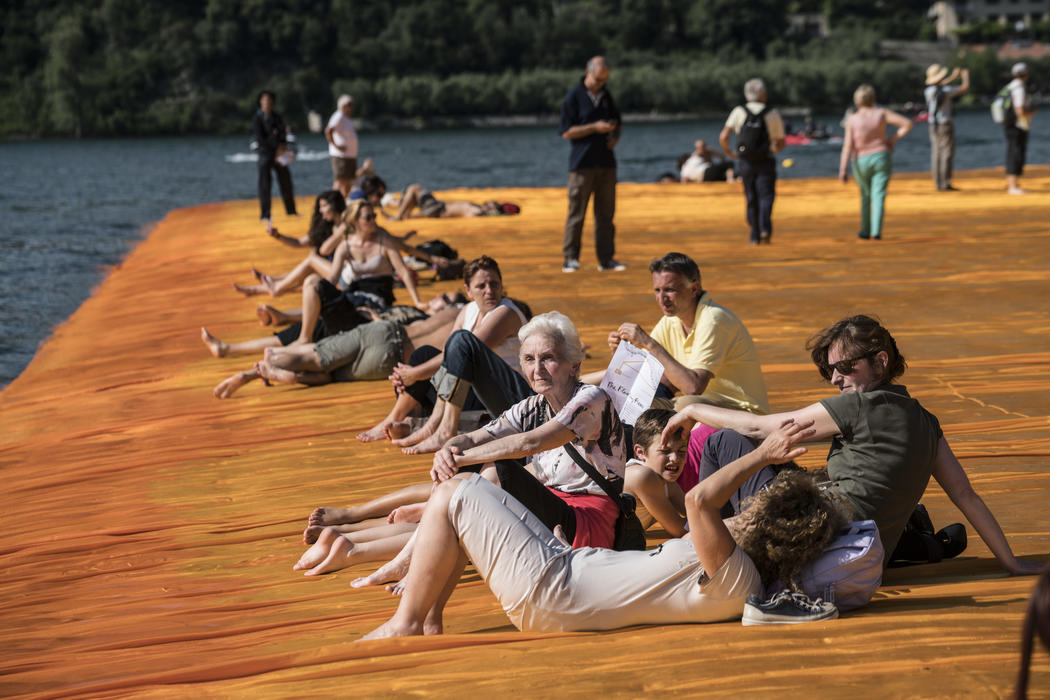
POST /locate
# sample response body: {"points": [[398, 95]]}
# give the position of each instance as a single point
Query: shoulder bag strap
{"points": [[589, 469]]}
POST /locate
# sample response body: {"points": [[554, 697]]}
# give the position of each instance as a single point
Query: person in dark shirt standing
{"points": [[591, 121], [269, 133]]}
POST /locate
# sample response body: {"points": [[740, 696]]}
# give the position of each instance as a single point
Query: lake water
{"points": [[71, 208]]}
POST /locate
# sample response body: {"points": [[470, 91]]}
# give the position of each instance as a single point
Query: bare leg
{"points": [[428, 429], [312, 532], [311, 308], [446, 430], [409, 201], [393, 570], [394, 421], [297, 358], [312, 263], [219, 348], [376, 508], [411, 513], [250, 290], [336, 551], [270, 316], [228, 386], [435, 570]]}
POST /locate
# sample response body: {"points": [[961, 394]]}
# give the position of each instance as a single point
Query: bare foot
{"points": [[215, 346], [391, 629], [393, 570], [256, 274], [316, 554], [407, 514], [340, 556], [433, 624], [269, 316], [396, 589], [373, 434], [249, 290], [418, 436], [431, 444], [269, 284], [326, 515], [398, 430], [269, 373], [229, 385], [311, 533]]}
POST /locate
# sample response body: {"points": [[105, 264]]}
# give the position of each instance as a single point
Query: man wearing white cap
{"points": [[940, 95], [342, 145], [1015, 125]]}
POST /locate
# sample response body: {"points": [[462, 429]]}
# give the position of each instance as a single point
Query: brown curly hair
{"points": [[788, 525], [859, 336]]}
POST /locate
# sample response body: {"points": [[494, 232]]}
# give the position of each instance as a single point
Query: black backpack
{"points": [[752, 143]]}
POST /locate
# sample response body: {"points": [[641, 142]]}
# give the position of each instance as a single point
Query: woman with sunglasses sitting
{"points": [[885, 446]]}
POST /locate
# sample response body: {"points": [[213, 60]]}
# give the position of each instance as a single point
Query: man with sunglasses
{"points": [[884, 448]]}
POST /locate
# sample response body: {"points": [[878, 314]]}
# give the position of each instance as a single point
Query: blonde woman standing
{"points": [[870, 149]]}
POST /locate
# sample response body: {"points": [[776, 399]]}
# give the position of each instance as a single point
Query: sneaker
{"points": [[571, 265], [786, 608], [611, 265]]}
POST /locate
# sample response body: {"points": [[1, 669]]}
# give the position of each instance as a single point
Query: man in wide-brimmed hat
{"points": [[939, 95]]}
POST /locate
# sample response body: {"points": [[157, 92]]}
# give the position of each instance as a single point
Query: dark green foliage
{"points": [[100, 67]]}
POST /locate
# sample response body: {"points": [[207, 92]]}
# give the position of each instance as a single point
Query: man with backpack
{"points": [[940, 95], [1016, 109], [759, 134]]}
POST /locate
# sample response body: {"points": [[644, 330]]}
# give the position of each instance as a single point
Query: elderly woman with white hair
{"points": [[562, 414]]}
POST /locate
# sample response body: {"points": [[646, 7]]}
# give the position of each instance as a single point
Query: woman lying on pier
{"points": [[564, 414], [544, 585], [417, 202], [490, 316]]}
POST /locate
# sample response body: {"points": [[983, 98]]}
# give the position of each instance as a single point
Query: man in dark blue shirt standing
{"points": [[590, 119]]}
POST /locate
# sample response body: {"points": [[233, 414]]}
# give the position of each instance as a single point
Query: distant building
{"points": [[949, 15]]}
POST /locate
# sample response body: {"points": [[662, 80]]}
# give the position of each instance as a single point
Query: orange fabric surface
{"points": [[149, 529]]}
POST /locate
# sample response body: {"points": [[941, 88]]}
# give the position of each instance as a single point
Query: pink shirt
{"points": [[868, 130]]}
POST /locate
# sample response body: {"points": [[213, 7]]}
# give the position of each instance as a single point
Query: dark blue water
{"points": [[71, 208]]}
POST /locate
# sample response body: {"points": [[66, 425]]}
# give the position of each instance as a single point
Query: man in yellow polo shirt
{"points": [[706, 352]]}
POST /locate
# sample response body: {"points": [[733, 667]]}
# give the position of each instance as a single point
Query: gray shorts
{"points": [[430, 205], [344, 168], [368, 351]]}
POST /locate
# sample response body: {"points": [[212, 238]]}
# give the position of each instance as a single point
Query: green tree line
{"points": [[112, 67]]}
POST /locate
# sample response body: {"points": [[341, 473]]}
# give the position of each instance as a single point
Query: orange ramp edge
{"points": [[149, 529]]}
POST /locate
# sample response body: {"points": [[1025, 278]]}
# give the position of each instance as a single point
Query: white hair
{"points": [[753, 89], [556, 326]]}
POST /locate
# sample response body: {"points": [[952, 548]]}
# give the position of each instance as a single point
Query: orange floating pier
{"points": [[148, 529]]}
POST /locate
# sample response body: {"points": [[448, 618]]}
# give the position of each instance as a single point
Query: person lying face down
{"points": [[546, 586], [885, 445]]}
